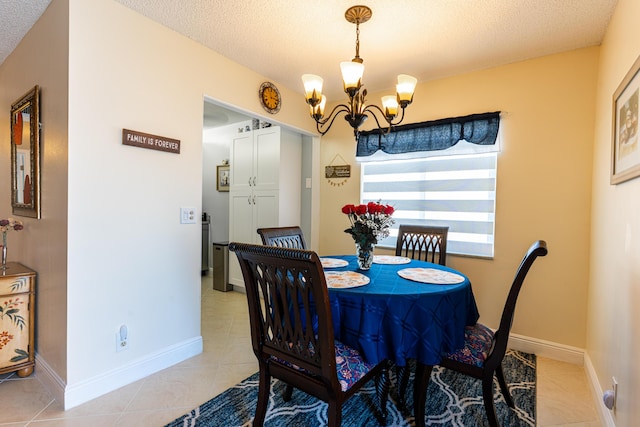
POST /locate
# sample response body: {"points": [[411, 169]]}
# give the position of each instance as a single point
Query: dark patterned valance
{"points": [[481, 129]]}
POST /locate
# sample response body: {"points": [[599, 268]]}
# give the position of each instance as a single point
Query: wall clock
{"points": [[270, 97]]}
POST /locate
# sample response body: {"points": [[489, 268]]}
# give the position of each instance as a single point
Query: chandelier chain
{"points": [[357, 40]]}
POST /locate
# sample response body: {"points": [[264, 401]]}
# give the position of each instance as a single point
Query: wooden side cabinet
{"points": [[17, 311]]}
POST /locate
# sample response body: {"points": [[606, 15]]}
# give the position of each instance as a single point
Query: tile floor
{"points": [[564, 398]]}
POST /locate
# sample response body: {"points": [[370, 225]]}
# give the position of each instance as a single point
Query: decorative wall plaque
{"points": [[153, 142], [337, 174]]}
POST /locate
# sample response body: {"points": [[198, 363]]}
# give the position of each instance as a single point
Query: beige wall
{"points": [[42, 59], [613, 339], [543, 185]]}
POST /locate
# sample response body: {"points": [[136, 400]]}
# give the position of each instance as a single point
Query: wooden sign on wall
{"points": [[153, 142], [337, 171]]}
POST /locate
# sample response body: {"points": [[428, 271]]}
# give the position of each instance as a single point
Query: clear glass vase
{"points": [[3, 266], [365, 256]]}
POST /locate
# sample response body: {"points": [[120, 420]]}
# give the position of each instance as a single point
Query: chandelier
{"points": [[356, 110]]}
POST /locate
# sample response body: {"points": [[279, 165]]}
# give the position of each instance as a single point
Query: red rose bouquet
{"points": [[369, 222]]}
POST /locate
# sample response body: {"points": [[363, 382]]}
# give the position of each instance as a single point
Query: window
{"points": [[458, 191]]}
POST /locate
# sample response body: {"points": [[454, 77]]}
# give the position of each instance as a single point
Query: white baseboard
{"points": [[49, 378], [605, 415], [549, 349], [91, 388]]}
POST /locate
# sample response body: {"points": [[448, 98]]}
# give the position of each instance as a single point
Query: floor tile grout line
{"points": [[40, 412]]}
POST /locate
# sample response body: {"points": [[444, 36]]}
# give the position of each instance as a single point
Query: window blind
{"points": [[455, 191]]}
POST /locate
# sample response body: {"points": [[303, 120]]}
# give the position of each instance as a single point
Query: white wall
{"points": [[109, 248], [613, 339]]}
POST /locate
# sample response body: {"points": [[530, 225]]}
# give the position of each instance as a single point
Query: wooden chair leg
{"points": [[334, 414], [382, 390], [264, 387], [487, 397], [402, 375], [423, 373], [503, 387], [288, 391]]}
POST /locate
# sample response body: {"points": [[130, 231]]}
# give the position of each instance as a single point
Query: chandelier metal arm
{"points": [[391, 123], [340, 108]]}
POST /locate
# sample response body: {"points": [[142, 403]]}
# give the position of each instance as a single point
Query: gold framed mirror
{"points": [[25, 155]]}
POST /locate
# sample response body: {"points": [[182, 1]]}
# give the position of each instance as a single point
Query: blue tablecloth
{"points": [[398, 319]]}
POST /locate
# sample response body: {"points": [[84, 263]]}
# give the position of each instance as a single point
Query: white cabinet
{"points": [[265, 186], [256, 158]]}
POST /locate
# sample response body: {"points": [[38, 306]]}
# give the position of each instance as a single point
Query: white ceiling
{"points": [[430, 39]]}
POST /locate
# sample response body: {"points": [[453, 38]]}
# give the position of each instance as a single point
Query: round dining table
{"points": [[395, 313]]}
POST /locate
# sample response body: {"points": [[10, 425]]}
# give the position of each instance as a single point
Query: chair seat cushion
{"points": [[478, 340], [350, 366]]}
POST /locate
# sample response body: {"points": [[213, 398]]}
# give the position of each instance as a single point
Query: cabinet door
{"points": [[241, 159], [265, 209], [241, 229], [241, 208], [267, 158]]}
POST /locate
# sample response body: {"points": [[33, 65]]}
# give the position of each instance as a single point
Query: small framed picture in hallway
{"points": [[222, 183]]}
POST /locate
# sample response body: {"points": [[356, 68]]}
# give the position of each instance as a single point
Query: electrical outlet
{"points": [[122, 339]]}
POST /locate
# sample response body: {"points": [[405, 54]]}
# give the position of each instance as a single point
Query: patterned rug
{"points": [[452, 400]]}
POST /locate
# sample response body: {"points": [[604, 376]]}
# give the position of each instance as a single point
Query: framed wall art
{"points": [[222, 182], [625, 151]]}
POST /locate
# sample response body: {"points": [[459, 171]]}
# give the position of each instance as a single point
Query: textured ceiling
{"points": [[283, 39], [16, 19], [430, 39]]}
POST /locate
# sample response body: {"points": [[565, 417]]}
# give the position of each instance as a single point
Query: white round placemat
{"points": [[431, 275], [345, 279], [391, 259], [333, 262]]}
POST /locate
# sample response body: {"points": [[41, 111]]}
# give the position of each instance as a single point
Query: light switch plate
{"points": [[187, 215]]}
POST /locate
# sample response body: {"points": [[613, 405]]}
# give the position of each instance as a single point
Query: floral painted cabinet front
{"points": [[17, 306]]}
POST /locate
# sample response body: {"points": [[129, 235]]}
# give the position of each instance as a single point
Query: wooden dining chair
{"points": [[423, 242], [285, 237], [483, 351], [292, 331]]}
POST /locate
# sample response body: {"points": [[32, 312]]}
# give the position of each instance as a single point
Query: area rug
{"points": [[452, 400]]}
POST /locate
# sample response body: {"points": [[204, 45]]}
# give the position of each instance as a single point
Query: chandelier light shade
{"points": [[356, 111]]}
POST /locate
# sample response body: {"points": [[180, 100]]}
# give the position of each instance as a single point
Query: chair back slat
{"points": [[426, 243], [284, 237]]}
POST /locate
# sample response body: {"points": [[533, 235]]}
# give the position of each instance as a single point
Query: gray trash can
{"points": [[221, 267]]}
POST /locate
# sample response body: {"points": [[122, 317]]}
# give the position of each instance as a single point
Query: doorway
{"points": [[220, 124]]}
